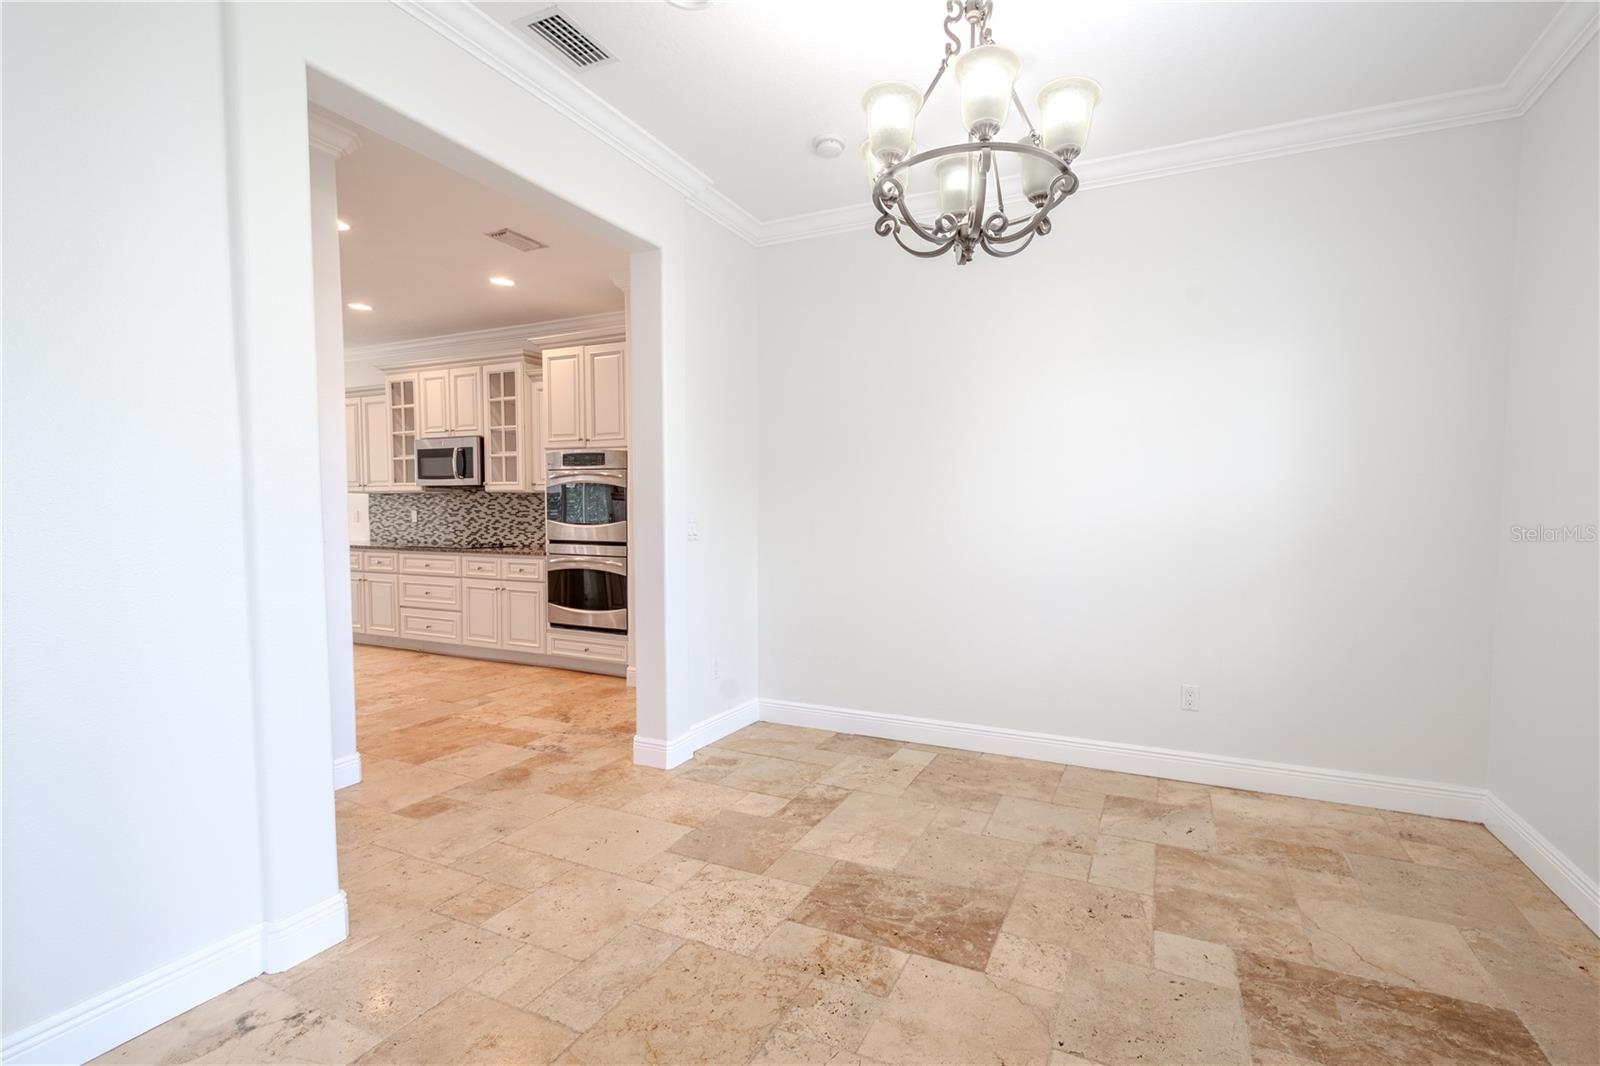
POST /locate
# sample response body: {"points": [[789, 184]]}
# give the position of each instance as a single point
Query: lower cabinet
{"points": [[374, 604], [502, 614]]}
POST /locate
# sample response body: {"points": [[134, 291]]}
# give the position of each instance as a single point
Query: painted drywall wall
{"points": [[329, 311], [1237, 428], [1544, 750], [130, 833], [723, 489]]}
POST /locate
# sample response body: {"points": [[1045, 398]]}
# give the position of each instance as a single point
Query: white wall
{"points": [[1544, 746], [723, 488], [1238, 428], [130, 832]]}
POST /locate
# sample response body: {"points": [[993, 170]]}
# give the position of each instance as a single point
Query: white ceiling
{"points": [[740, 88], [416, 252]]}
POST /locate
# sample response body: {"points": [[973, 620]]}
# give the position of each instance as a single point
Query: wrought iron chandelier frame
{"points": [[997, 233]]}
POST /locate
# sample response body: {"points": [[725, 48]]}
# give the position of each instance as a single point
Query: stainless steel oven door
{"points": [[588, 591], [587, 505]]}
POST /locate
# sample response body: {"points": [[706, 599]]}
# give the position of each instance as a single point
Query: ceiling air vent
{"points": [[512, 239], [555, 28]]}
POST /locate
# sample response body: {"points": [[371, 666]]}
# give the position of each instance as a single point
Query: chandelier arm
{"points": [[1015, 99], [887, 226], [999, 253], [943, 63]]}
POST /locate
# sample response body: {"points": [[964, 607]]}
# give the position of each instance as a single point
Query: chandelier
{"points": [[987, 74]]}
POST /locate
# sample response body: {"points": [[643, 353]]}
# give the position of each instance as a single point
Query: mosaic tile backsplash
{"points": [[457, 518]]}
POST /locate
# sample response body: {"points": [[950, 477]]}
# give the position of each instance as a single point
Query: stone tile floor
{"points": [[520, 892]]}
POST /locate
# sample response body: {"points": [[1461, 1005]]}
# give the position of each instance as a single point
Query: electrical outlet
{"points": [[413, 516], [1189, 698]]}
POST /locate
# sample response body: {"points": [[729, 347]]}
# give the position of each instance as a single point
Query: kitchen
{"points": [[486, 462]]}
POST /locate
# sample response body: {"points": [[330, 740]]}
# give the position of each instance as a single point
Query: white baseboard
{"points": [[1309, 782], [665, 754], [346, 771], [295, 939], [102, 1022], [1548, 862]]}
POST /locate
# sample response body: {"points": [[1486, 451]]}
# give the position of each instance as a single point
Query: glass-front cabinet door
{"points": [[403, 428], [503, 447]]}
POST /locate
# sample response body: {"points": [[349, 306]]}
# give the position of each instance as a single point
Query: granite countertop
{"points": [[457, 549]]}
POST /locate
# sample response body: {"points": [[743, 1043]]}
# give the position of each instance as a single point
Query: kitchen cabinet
{"points": [[366, 442], [402, 395], [375, 606], [586, 396], [503, 614], [512, 442], [450, 401]]}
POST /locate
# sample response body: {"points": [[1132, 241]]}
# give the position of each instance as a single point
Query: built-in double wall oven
{"points": [[586, 535]]}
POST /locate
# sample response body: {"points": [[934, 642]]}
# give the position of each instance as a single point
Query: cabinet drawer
{"points": [[480, 566], [441, 593], [587, 646], [431, 563], [355, 561], [528, 568], [381, 562], [442, 626]]}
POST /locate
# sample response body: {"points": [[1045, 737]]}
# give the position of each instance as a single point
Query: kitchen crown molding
{"points": [[1572, 27], [329, 135], [479, 343]]}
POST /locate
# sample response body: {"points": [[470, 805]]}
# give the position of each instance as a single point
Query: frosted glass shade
{"points": [[876, 167], [1066, 106], [986, 74], [955, 184], [891, 108], [1037, 174]]}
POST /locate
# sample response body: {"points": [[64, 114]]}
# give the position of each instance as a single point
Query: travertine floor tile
{"points": [[576, 913], [581, 996], [867, 829], [940, 1013], [725, 908], [520, 891], [701, 1005], [1124, 1015], [471, 1028], [913, 914]]}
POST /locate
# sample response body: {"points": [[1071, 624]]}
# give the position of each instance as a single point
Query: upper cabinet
{"points": [[450, 401], [366, 442], [586, 396], [402, 390], [512, 447]]}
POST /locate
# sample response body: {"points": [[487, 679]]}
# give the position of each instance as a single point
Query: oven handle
{"points": [[602, 476], [587, 562]]}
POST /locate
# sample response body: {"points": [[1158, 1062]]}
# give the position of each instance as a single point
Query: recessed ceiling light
{"points": [[504, 283], [358, 306], [827, 146], [344, 227], [690, 5]]}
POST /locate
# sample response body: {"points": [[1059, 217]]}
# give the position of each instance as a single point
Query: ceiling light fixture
{"points": [[827, 147], [358, 306], [344, 227], [987, 74], [503, 282]]}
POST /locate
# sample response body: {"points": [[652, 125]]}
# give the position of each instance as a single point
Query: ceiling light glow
{"points": [[359, 306], [503, 282], [344, 227]]}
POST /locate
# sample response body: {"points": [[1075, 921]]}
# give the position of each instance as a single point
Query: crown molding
{"points": [[330, 136], [499, 48], [496, 45], [506, 340]]}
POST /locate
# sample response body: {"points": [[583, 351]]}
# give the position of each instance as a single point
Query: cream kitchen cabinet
{"points": [[513, 447], [586, 396], [366, 442], [503, 614], [450, 401], [374, 604]]}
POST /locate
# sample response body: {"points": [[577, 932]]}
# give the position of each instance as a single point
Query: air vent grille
{"points": [[511, 238], [556, 29]]}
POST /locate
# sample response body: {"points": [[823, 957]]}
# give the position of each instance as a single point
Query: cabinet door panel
{"points": [[505, 396], [466, 400], [382, 607], [375, 462], [480, 613], [358, 604], [522, 614], [563, 396], [433, 402], [353, 479], [606, 386]]}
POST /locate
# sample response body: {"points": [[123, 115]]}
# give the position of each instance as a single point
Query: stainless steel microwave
{"points": [[449, 462]]}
